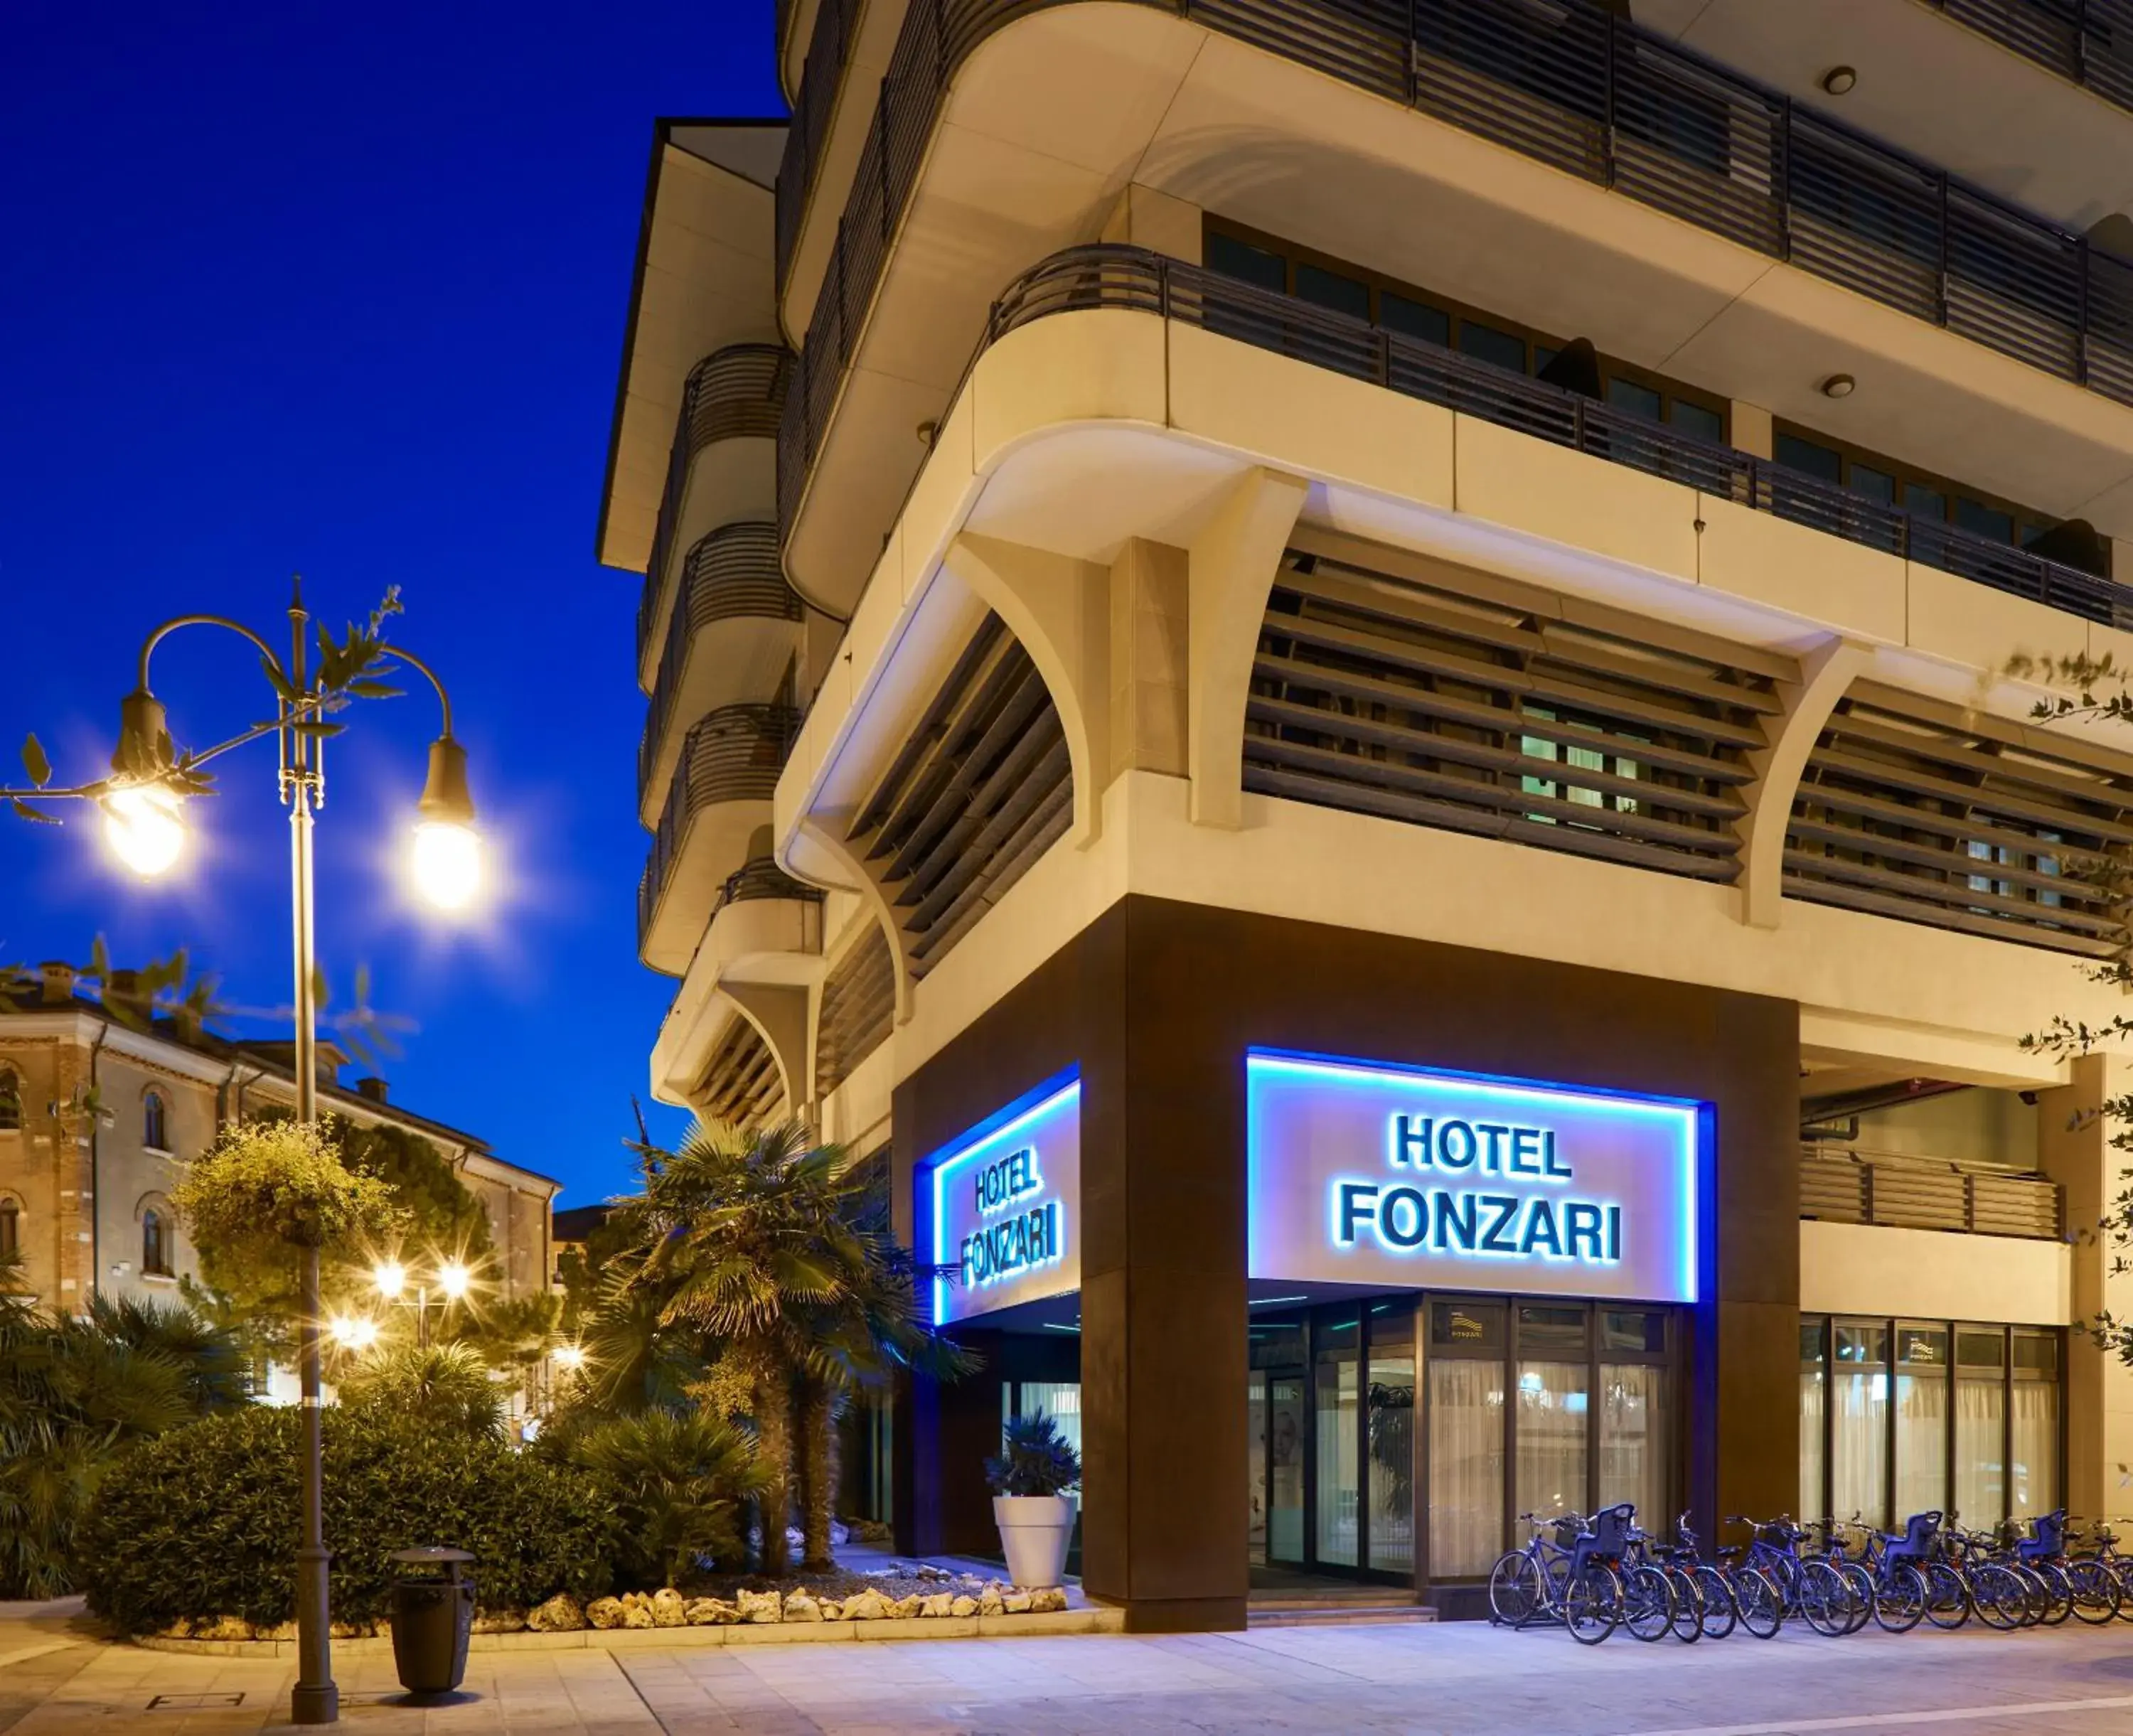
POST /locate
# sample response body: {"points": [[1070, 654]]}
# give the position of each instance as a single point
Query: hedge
{"points": [[203, 1522]]}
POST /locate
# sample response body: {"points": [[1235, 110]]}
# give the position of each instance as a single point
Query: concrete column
{"points": [[1750, 429], [1149, 622], [2074, 1149]]}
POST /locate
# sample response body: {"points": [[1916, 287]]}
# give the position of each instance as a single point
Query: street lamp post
{"points": [[452, 1277], [143, 823]]}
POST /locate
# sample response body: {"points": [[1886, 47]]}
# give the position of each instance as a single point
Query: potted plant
{"points": [[1034, 1513]]}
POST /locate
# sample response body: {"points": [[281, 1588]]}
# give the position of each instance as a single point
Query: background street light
{"points": [[452, 1277]]}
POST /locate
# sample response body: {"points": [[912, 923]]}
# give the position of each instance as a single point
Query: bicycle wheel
{"points": [[1948, 1598], [2036, 1595], [1999, 1598], [1821, 1596], [1900, 1600], [1647, 1602], [1858, 1595], [2122, 1571], [1716, 1608], [1687, 1604], [2058, 1592], [1761, 1605], [1592, 1604], [2097, 1597], [1515, 1591]]}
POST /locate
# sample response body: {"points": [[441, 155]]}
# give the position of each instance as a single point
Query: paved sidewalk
{"points": [[1457, 1677]]}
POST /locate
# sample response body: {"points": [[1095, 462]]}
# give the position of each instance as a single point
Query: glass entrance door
{"points": [[1287, 1408]]}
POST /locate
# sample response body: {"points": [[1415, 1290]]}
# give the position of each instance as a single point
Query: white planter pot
{"points": [[1034, 1532]]}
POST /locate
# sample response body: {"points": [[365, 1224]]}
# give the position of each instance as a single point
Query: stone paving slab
{"points": [[1463, 1679]]}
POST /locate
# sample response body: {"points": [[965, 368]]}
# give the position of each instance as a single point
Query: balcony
{"points": [[766, 927], [2089, 42], [1132, 279], [1578, 89], [730, 638], [719, 802], [735, 394], [1918, 1193]]}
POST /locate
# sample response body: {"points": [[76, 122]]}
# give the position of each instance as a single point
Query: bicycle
{"points": [[2081, 1586], [2004, 1596], [1549, 1580], [1718, 1607], [1897, 1586], [1686, 1615], [2103, 1544], [1808, 1585]]}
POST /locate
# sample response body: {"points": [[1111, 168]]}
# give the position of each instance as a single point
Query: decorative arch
{"points": [[157, 1226], [156, 1118]]}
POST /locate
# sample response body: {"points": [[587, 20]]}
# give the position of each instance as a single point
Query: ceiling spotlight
{"points": [[1839, 80], [1838, 386]]}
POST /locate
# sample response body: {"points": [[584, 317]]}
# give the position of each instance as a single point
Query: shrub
{"points": [[204, 1522], [678, 1483], [1036, 1461], [446, 1385]]}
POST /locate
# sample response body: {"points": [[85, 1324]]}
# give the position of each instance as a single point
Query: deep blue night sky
{"points": [[289, 288]]}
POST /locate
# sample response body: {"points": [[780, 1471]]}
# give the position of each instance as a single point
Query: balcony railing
{"points": [[1914, 1193], [731, 574], [2089, 42], [733, 393], [732, 754], [821, 76], [1577, 87], [1132, 278], [763, 879]]}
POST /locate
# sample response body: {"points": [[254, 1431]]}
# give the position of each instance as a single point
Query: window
{"points": [[155, 1133], [2033, 1423], [1980, 1424], [1859, 1403], [1921, 1419], [1973, 1413], [1890, 483], [10, 1101], [155, 1244], [11, 1231], [1814, 1412]]}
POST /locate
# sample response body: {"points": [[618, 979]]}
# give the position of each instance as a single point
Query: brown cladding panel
{"points": [[1157, 1002]]}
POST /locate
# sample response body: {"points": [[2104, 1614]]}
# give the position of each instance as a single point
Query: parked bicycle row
{"points": [[1595, 1575]]}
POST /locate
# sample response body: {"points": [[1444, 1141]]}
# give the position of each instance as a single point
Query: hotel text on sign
{"points": [[1003, 1199], [1369, 1174]]}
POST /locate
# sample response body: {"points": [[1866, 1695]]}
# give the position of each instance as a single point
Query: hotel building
{"points": [[1350, 669]]}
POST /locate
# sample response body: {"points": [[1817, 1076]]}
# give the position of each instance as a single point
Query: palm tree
{"points": [[76, 1393], [678, 1481], [774, 1250]]}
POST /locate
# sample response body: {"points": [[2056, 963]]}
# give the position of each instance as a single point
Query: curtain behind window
{"points": [[2036, 1447], [1636, 1423], [1465, 1467]]}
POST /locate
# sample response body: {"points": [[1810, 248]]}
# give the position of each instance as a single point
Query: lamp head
{"points": [[447, 858], [390, 1277], [144, 736], [453, 1279], [143, 826]]}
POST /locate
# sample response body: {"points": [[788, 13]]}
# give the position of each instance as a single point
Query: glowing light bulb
{"points": [[570, 1356], [447, 863], [453, 1279], [358, 1333], [390, 1277], [143, 825]]}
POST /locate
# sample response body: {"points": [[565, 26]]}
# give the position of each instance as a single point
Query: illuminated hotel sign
{"points": [[1003, 1200], [1368, 1174]]}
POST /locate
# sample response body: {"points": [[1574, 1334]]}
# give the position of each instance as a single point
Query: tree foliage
{"points": [[679, 1480], [447, 1385]]}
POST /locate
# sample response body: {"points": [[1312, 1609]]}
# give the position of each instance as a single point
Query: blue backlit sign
{"points": [[1364, 1173], [1002, 1198]]}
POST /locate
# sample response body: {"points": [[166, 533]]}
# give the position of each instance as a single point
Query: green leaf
{"points": [[376, 691], [26, 812], [35, 762]]}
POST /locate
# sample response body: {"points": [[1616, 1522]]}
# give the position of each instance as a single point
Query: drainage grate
{"points": [[193, 1702]]}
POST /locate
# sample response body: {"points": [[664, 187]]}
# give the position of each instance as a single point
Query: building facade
{"points": [[1387, 732], [99, 1117]]}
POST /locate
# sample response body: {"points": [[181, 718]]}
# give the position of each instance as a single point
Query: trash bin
{"points": [[432, 1615]]}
